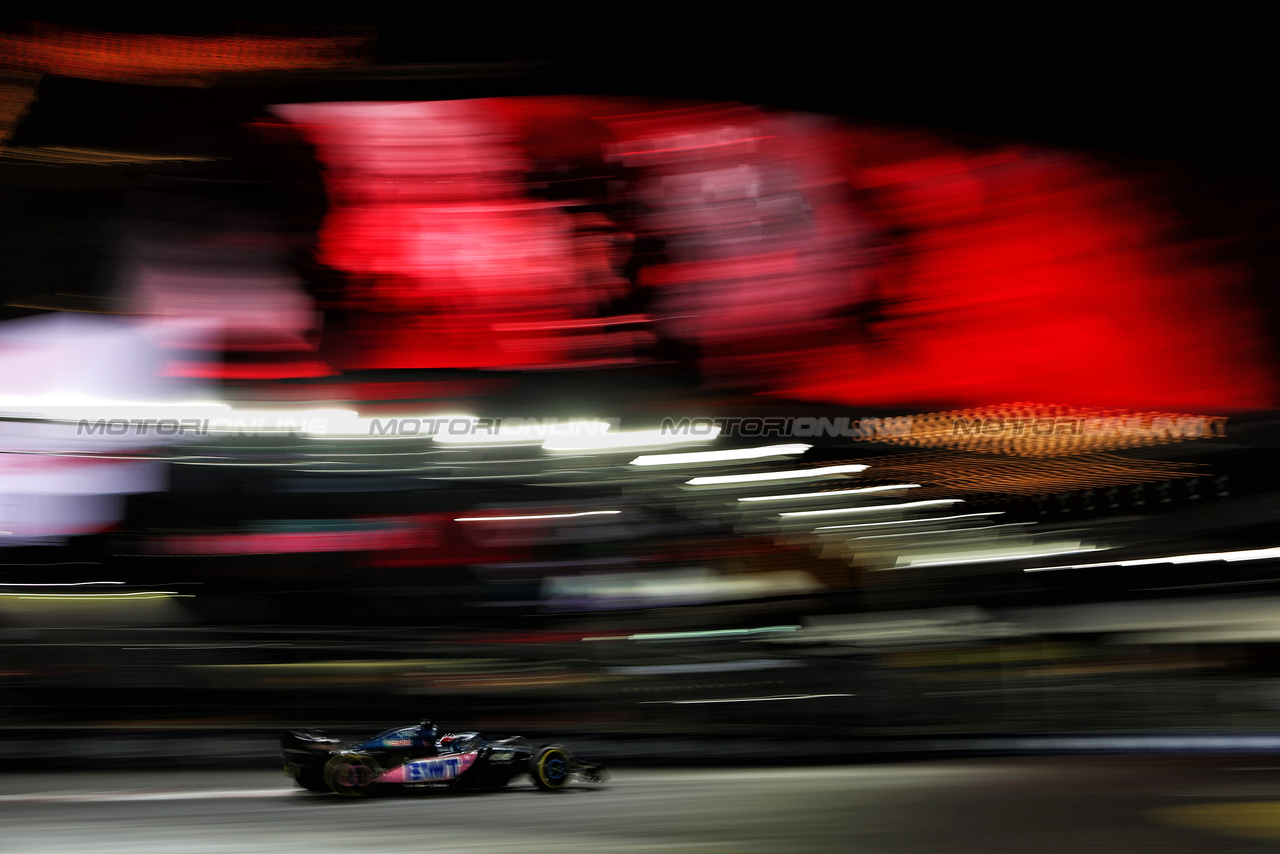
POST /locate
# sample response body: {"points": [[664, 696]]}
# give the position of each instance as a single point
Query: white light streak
{"points": [[382, 427], [929, 520], [527, 434], [68, 584], [907, 505], [539, 516], [68, 407], [944, 531], [863, 490], [1205, 557], [994, 557], [711, 633], [732, 455], [631, 440], [795, 474], [188, 418], [103, 597], [746, 699]]}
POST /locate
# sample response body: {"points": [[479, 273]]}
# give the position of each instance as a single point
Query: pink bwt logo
{"points": [[442, 768]]}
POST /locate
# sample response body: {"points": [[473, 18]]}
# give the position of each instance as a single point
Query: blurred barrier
{"points": [[29, 750]]}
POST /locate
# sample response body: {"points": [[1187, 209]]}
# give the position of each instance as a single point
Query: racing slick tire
{"points": [[312, 779], [550, 767], [351, 775]]}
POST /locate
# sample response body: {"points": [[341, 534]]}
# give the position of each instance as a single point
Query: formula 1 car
{"points": [[419, 757]]}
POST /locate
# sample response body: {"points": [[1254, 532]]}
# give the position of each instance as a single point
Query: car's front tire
{"points": [[550, 767]]}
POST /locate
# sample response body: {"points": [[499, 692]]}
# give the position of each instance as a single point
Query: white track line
{"points": [[147, 795]]}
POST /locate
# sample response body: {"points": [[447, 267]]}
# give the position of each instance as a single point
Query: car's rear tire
{"points": [[550, 767], [351, 775], [312, 779]]}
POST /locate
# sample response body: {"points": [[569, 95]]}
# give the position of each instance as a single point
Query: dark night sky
{"points": [[1190, 89]]}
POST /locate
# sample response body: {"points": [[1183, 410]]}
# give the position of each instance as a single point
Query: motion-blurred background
{"points": [[682, 403]]}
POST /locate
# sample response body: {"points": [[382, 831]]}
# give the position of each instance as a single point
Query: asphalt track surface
{"points": [[1037, 806]]}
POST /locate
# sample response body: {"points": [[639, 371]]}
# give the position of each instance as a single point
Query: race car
{"points": [[420, 757]]}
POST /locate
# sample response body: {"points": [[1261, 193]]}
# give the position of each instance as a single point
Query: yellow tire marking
{"points": [[542, 767]]}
